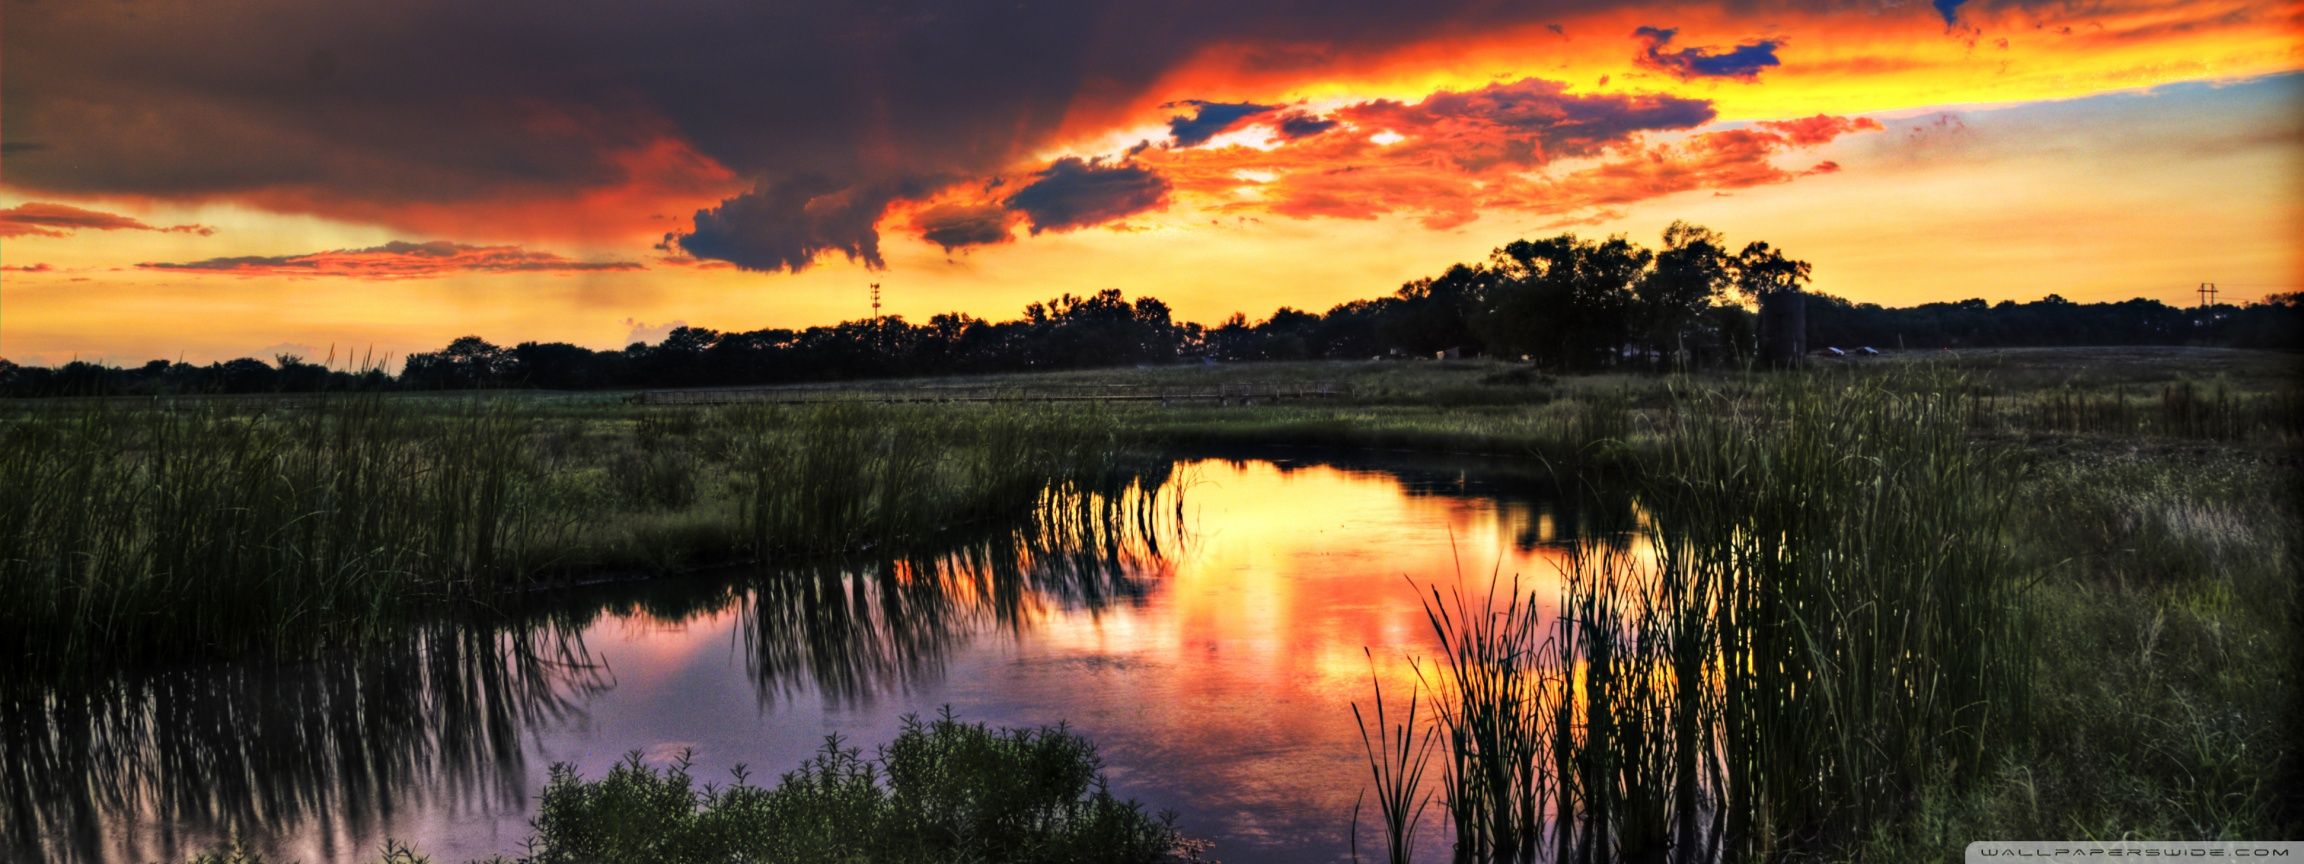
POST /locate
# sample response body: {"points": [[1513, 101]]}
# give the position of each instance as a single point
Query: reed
{"points": [[143, 531], [140, 532], [1821, 618], [1495, 704], [1398, 755]]}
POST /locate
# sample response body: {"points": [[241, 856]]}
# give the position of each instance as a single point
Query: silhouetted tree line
{"points": [[288, 373], [1561, 302], [2276, 323]]}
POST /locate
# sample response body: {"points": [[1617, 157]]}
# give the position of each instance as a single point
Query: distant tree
{"points": [[1436, 314], [244, 375], [297, 376], [469, 362], [1562, 300], [1234, 339], [2277, 322], [1688, 277], [1288, 334], [560, 366], [1762, 271]]}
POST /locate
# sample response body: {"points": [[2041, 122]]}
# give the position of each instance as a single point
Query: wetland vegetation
{"points": [[1870, 610]]}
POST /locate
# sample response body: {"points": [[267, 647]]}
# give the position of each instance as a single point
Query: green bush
{"points": [[942, 791]]}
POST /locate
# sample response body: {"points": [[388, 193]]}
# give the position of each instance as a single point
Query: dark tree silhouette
{"points": [[1691, 274]]}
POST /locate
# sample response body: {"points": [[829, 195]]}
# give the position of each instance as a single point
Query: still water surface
{"points": [[1213, 653]]}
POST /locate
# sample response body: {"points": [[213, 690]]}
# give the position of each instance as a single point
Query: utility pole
{"points": [[2207, 294], [879, 340]]}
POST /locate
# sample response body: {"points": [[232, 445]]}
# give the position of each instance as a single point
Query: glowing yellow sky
{"points": [[2135, 150]]}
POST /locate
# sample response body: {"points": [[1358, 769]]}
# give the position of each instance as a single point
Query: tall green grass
{"points": [[1820, 621], [1868, 611], [2169, 706], [141, 531], [136, 533], [1398, 755], [846, 475]]}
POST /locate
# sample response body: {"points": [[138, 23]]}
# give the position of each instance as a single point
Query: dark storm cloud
{"points": [[822, 107], [1076, 193], [1742, 62], [1209, 119], [956, 225], [786, 225], [1297, 124], [1950, 9]]}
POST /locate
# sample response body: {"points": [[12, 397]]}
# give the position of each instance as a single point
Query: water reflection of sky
{"points": [[1216, 677]]}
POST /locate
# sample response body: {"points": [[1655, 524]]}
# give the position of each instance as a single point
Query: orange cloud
{"points": [[645, 190], [396, 260], [39, 219], [1450, 157], [1730, 159], [1820, 129], [1834, 62]]}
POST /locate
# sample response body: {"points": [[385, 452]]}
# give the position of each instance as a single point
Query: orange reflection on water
{"points": [[1241, 668]]}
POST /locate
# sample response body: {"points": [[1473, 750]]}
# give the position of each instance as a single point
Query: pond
{"points": [[1212, 646]]}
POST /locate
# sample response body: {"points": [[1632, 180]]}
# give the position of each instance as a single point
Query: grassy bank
{"points": [[141, 531], [2169, 671]]}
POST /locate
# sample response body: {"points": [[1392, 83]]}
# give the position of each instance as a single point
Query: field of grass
{"points": [[1900, 603]]}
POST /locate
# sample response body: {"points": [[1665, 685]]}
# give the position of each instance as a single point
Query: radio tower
{"points": [[2207, 294], [875, 303]]}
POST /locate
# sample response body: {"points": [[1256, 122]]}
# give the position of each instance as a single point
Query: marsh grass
{"points": [[136, 533], [1398, 755], [1820, 621], [2214, 409], [2168, 706], [143, 531], [1494, 706]]}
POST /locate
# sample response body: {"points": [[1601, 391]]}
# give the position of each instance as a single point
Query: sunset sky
{"points": [[206, 180]]}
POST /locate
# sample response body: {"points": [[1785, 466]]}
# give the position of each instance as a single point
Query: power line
{"points": [[2207, 294]]}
